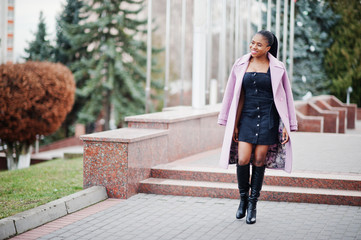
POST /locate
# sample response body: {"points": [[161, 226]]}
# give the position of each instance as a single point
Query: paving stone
{"points": [[175, 217]]}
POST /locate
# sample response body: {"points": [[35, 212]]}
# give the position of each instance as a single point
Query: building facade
{"points": [[7, 15]]}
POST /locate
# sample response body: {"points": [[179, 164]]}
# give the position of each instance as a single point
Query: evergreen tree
{"points": [[343, 58], [40, 48], [313, 22], [70, 15], [67, 53], [116, 68]]}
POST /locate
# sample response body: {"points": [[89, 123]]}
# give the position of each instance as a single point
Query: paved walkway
{"points": [[151, 217], [147, 216]]}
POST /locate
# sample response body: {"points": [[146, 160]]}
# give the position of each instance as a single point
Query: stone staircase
{"points": [[302, 187]]}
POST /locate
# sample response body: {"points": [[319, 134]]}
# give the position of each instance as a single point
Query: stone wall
{"points": [[120, 159]]}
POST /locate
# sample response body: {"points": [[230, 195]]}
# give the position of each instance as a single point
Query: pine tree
{"points": [[313, 22], [68, 53], [116, 68], [40, 49], [343, 58]]}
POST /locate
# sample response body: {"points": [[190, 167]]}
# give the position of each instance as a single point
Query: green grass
{"points": [[39, 184]]}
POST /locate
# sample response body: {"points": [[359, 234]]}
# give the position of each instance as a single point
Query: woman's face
{"points": [[259, 46]]}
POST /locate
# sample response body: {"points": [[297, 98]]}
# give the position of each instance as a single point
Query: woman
{"points": [[258, 113]]}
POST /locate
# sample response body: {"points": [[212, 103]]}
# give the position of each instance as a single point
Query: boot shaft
{"points": [[256, 182], [243, 175]]}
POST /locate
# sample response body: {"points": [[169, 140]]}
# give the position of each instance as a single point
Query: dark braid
{"points": [[272, 41]]}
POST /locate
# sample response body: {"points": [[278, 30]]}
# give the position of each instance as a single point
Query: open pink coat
{"points": [[279, 156]]}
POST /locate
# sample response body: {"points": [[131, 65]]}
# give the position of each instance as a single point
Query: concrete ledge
{"points": [[85, 198], [309, 123], [38, 216], [124, 135], [176, 114], [48, 212], [7, 228]]}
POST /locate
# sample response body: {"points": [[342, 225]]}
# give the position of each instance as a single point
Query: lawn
{"points": [[41, 183]]}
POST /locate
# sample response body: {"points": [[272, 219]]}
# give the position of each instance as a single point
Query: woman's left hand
{"points": [[285, 137]]}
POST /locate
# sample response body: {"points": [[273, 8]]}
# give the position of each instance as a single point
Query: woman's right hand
{"points": [[235, 134]]}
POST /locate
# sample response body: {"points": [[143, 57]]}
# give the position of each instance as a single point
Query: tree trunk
{"points": [[107, 111], [18, 155]]}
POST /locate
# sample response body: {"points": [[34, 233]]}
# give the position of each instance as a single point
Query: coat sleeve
{"points": [[227, 98], [290, 103]]}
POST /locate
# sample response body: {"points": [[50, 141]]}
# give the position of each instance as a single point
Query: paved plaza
{"points": [[147, 216]]}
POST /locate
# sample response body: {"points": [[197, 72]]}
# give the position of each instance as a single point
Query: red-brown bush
{"points": [[35, 98]]}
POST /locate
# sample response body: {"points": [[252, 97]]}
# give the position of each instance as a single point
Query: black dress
{"points": [[259, 119]]}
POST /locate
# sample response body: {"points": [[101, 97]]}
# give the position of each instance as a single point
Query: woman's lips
{"points": [[253, 52]]}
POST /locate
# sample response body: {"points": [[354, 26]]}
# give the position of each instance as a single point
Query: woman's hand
{"points": [[285, 137], [235, 134]]}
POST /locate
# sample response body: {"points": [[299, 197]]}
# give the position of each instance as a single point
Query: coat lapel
{"points": [[277, 72], [241, 69]]}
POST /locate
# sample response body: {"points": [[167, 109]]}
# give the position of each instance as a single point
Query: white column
{"points": [[231, 36], [278, 23], [285, 32], [184, 9], [199, 54], [292, 35], [269, 14], [209, 47], [249, 15], [149, 57], [241, 28], [237, 41], [222, 49], [259, 26], [167, 33]]}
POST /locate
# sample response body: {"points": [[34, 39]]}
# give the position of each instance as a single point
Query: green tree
{"points": [[343, 58], [67, 53], [313, 22], [40, 48], [113, 36]]}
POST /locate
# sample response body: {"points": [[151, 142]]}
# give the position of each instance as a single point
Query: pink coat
{"points": [[279, 156]]}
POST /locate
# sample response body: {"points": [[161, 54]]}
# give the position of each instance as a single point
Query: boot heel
{"points": [[241, 212], [251, 213]]}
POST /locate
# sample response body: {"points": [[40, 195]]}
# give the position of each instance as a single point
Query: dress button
{"points": [[256, 134], [257, 125], [257, 108], [259, 116], [254, 82]]}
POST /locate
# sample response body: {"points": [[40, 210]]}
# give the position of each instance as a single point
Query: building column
{"points": [[199, 54]]}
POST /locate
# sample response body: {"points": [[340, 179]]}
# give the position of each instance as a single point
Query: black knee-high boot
{"points": [[256, 186], [243, 187]]}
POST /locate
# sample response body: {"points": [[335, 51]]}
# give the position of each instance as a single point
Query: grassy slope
{"points": [[41, 183]]}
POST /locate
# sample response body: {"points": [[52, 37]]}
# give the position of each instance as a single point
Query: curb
{"points": [[48, 212]]}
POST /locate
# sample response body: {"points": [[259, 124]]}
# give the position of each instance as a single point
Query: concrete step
{"points": [[272, 177], [269, 192]]}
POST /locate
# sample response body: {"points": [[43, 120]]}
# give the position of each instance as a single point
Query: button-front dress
{"points": [[259, 119]]}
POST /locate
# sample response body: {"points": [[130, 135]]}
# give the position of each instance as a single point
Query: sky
{"points": [[27, 19]]}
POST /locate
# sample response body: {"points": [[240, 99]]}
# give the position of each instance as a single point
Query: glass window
{"points": [[10, 42], [10, 28], [10, 15]]}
